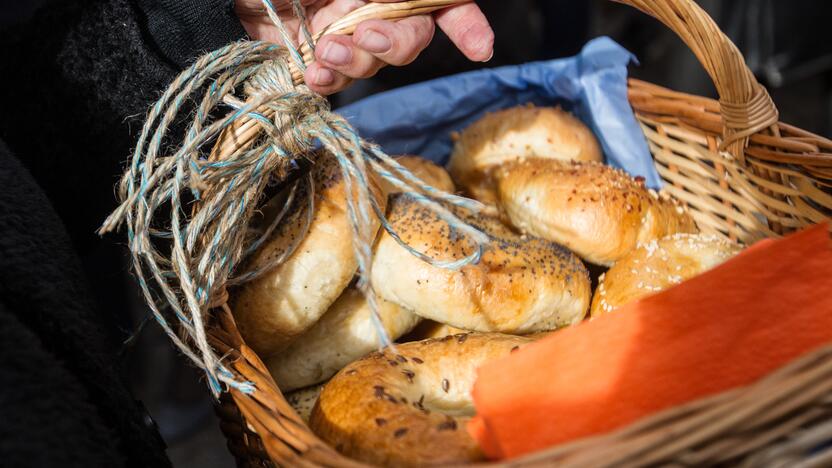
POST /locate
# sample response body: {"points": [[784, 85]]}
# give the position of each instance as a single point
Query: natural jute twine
{"points": [[183, 263]]}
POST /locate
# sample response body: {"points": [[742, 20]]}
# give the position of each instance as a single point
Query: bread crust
{"points": [[659, 265], [521, 285], [598, 212], [410, 408], [510, 134], [345, 333], [430, 173], [276, 308]]}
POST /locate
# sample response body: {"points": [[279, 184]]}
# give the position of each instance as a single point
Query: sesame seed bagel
{"points": [[521, 284], [410, 408], [429, 172], [659, 265], [277, 307], [510, 134], [598, 212], [345, 333]]}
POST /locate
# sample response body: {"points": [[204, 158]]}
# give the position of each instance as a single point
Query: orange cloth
{"points": [[721, 330]]}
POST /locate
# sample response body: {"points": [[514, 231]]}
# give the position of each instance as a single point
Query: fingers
{"points": [[469, 30], [325, 81], [340, 54], [375, 44], [395, 43]]}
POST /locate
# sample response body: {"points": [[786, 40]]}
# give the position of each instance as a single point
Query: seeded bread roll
{"points": [[410, 408], [521, 285], [510, 134], [276, 308], [345, 333], [598, 212], [659, 265]]}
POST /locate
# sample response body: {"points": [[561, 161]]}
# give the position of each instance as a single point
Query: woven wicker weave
{"points": [[743, 175]]}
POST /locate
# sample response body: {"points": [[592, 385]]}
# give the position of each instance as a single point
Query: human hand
{"points": [[376, 43]]}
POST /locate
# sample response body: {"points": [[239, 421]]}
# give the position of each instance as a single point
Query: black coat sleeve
{"points": [[80, 77], [65, 402], [77, 83]]}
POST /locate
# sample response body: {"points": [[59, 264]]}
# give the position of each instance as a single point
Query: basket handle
{"points": [[746, 106]]}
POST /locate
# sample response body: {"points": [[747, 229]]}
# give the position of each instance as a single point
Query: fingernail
{"points": [[324, 77], [480, 41], [375, 42], [336, 54]]}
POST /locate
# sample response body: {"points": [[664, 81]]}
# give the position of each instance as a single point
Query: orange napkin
{"points": [[723, 329]]}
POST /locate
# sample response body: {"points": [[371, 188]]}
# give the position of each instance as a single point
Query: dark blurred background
{"points": [[784, 42]]}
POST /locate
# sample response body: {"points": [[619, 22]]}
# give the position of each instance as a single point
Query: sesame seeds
{"points": [[445, 385]]}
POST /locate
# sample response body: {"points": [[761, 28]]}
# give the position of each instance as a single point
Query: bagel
{"points": [[429, 172], [303, 400], [410, 408], [345, 333], [657, 266], [275, 308], [598, 212], [521, 285], [506, 135]]}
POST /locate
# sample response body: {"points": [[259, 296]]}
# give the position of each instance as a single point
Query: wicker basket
{"points": [[743, 175]]}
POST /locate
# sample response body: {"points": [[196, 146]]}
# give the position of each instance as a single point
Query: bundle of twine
{"points": [[219, 171]]}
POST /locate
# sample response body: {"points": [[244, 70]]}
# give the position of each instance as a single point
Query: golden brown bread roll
{"points": [[429, 172], [274, 309], [659, 265], [521, 285], [598, 212], [345, 333], [519, 132], [410, 408]]}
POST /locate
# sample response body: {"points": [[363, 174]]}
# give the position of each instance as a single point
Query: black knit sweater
{"points": [[76, 82]]}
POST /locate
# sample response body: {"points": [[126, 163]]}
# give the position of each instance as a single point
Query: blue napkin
{"points": [[419, 119]]}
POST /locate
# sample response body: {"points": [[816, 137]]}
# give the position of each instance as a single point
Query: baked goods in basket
{"points": [[521, 284], [277, 307], [598, 212], [410, 408], [345, 333], [659, 265], [510, 134]]}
